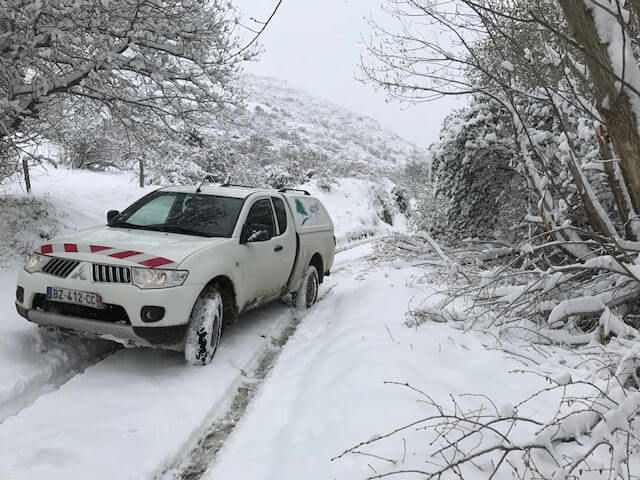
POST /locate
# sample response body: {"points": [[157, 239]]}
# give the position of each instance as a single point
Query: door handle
{"points": [[278, 248]]}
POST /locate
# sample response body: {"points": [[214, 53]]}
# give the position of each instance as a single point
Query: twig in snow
{"points": [[389, 331]]}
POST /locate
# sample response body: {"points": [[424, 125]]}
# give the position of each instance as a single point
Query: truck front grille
{"points": [[60, 267], [111, 274]]}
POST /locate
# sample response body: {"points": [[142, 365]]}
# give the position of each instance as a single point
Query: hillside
{"points": [[282, 136], [289, 116]]}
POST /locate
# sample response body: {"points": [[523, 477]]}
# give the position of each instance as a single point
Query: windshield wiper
{"points": [[127, 225], [161, 227], [181, 230]]}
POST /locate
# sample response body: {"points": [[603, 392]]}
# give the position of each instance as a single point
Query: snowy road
{"points": [[138, 408], [141, 408]]}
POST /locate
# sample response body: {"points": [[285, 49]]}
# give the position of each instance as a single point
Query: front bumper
{"points": [[127, 298], [166, 337]]}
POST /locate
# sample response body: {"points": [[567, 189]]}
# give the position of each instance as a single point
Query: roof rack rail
{"points": [[285, 190], [227, 184]]}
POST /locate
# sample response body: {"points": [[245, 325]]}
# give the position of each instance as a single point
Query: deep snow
{"points": [[134, 414]]}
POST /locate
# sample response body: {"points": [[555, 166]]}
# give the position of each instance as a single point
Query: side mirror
{"points": [[255, 233], [111, 214]]}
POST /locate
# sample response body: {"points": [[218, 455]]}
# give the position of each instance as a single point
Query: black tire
{"points": [[307, 294], [205, 327]]}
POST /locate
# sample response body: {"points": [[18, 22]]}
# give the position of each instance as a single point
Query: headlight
{"points": [[158, 278], [35, 262]]}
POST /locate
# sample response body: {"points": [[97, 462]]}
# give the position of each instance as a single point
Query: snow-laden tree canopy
{"points": [[174, 60]]}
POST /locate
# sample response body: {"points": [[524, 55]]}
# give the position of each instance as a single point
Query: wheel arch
{"points": [[228, 292], [316, 261]]}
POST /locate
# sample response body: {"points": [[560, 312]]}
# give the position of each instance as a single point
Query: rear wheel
{"points": [[205, 327], [306, 296]]}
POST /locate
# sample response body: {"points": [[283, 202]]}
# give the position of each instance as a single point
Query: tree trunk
{"points": [[613, 104], [25, 172], [620, 195]]}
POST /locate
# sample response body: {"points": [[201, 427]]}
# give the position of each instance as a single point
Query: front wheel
{"points": [[307, 294], [205, 328]]}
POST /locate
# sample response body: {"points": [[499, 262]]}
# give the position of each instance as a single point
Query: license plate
{"points": [[74, 296]]}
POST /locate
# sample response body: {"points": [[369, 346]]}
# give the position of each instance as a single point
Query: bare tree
{"points": [[508, 52], [175, 60]]}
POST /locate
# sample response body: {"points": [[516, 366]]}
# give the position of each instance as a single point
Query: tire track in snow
{"points": [[133, 419], [138, 407], [194, 461]]}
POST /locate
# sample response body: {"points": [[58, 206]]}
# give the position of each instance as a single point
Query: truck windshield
{"points": [[184, 213]]}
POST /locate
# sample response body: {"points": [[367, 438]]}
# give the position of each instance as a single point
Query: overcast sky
{"points": [[316, 45]]}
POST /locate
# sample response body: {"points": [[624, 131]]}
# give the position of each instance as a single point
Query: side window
{"points": [[154, 212], [261, 215], [281, 214]]}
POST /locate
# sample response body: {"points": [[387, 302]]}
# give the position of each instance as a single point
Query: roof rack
{"points": [[285, 190], [227, 184]]}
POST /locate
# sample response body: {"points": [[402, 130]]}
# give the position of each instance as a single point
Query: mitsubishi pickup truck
{"points": [[178, 264]]}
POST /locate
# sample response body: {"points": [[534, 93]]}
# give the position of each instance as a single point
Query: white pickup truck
{"points": [[174, 267]]}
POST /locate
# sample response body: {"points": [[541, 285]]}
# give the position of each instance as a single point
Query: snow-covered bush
{"points": [[26, 222], [360, 208], [476, 183], [100, 144], [177, 171]]}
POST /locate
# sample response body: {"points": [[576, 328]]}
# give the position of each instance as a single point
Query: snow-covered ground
{"points": [[135, 413], [85, 410], [131, 414], [327, 391]]}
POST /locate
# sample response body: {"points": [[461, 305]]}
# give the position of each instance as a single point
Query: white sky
{"points": [[316, 45]]}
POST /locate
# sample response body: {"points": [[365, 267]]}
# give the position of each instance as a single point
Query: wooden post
{"points": [[141, 171], [25, 172]]}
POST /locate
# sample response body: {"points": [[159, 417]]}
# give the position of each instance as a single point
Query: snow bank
{"points": [[62, 201], [360, 208]]}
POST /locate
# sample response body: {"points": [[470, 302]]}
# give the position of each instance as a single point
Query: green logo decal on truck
{"points": [[301, 210]]}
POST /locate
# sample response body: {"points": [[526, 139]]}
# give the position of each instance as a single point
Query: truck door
{"points": [[286, 245], [263, 271]]}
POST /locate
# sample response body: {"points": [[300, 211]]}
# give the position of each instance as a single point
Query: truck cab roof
{"points": [[232, 190], [220, 190]]}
